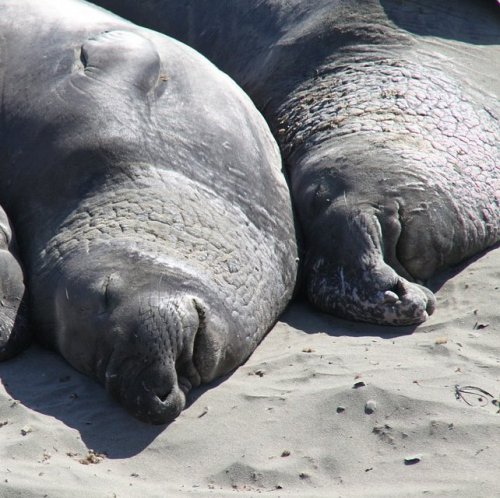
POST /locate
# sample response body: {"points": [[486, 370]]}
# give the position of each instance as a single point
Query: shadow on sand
{"points": [[42, 381]]}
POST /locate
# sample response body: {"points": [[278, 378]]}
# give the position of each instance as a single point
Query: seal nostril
{"points": [[184, 385], [162, 396]]}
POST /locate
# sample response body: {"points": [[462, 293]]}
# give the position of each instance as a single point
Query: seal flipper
{"points": [[15, 334], [121, 58], [358, 281]]}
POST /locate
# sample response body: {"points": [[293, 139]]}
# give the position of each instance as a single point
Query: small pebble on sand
{"points": [[412, 459], [370, 406], [26, 430]]}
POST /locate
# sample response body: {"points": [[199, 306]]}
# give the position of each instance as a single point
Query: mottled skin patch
{"points": [[387, 116], [146, 192]]}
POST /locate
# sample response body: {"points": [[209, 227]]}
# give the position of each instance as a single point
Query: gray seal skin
{"points": [[15, 333], [146, 192], [387, 117]]}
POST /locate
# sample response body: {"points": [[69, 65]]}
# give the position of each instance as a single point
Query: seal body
{"points": [[387, 118], [14, 330], [146, 192]]}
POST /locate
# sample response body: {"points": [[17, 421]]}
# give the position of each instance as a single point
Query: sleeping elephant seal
{"points": [[146, 192], [387, 116]]}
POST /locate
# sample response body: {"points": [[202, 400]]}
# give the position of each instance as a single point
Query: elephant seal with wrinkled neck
{"points": [[387, 117], [153, 221]]}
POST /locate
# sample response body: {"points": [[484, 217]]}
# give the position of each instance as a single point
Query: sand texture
{"points": [[323, 408]]}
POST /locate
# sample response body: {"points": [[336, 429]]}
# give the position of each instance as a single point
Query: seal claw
{"points": [[390, 297]]}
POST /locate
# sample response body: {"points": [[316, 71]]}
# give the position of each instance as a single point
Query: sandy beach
{"points": [[323, 408]]}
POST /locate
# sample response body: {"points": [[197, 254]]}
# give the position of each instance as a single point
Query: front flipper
{"points": [[374, 294], [356, 281], [15, 334]]}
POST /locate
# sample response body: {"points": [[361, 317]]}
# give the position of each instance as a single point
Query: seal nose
{"points": [[160, 405], [168, 353], [151, 394]]}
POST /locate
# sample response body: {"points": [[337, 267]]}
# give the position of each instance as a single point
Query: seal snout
{"points": [[166, 354], [149, 390], [160, 405], [152, 396]]}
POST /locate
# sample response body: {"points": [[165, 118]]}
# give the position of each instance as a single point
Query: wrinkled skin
{"points": [[387, 117], [14, 331], [153, 221]]}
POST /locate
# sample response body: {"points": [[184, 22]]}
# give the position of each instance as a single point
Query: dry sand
{"points": [[290, 422]]}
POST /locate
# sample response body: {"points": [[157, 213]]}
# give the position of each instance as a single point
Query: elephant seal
{"points": [[387, 118], [146, 193]]}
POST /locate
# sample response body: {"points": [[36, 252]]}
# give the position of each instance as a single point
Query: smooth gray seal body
{"points": [[387, 117], [146, 193]]}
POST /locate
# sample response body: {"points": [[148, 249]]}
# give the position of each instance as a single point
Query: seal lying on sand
{"points": [[146, 193], [387, 117]]}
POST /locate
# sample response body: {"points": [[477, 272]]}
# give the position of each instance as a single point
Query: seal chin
{"points": [[377, 295]]}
